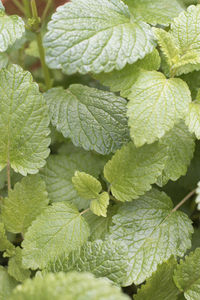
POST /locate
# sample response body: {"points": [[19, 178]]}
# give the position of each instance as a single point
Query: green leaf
{"points": [[156, 11], [89, 188], [99, 226], [3, 60], [15, 268], [68, 286], [122, 81], [180, 144], [1, 6], [32, 49], [187, 276], [192, 119], [131, 171], [161, 285], [95, 36], [59, 229], [25, 202], [103, 259], [152, 233], [11, 29], [99, 205], [198, 196], [93, 119], [7, 284], [156, 105], [60, 169], [23, 122], [5, 244]]}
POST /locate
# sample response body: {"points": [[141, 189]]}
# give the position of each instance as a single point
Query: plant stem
{"points": [[27, 9], [19, 6], [8, 175], [84, 211], [47, 7], [45, 69], [183, 201]]}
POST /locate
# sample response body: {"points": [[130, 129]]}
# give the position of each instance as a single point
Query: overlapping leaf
{"points": [[103, 259], [192, 119], [5, 244], [15, 268], [95, 36], [156, 11], [7, 284], [59, 229], [161, 285], [68, 286], [131, 171], [25, 202], [187, 276], [122, 81], [11, 29], [93, 119], [180, 147], [152, 233], [156, 105], [23, 122]]}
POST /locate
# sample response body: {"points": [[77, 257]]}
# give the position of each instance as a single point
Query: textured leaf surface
{"points": [[59, 229], [7, 284], [192, 119], [156, 11], [99, 205], [187, 276], [25, 202], [156, 105], [95, 36], [68, 286], [103, 259], [93, 119], [3, 60], [161, 285], [23, 122], [60, 169], [11, 29], [131, 171], [122, 81], [5, 244], [15, 268], [180, 146], [152, 233]]}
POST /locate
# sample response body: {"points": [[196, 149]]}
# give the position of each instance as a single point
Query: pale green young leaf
{"points": [[73, 285], [99, 226], [5, 244], [160, 286], [60, 169], [7, 284], [156, 105], [23, 122], [152, 232], [1, 6], [192, 119], [99, 205], [155, 12], [180, 146], [86, 185], [198, 196], [122, 81], [32, 49], [95, 36], [132, 171], [102, 258], [187, 276], [59, 229], [11, 29], [25, 202], [93, 119], [15, 268], [3, 60]]}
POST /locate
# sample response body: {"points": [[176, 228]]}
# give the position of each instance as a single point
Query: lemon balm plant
{"points": [[99, 150]]}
